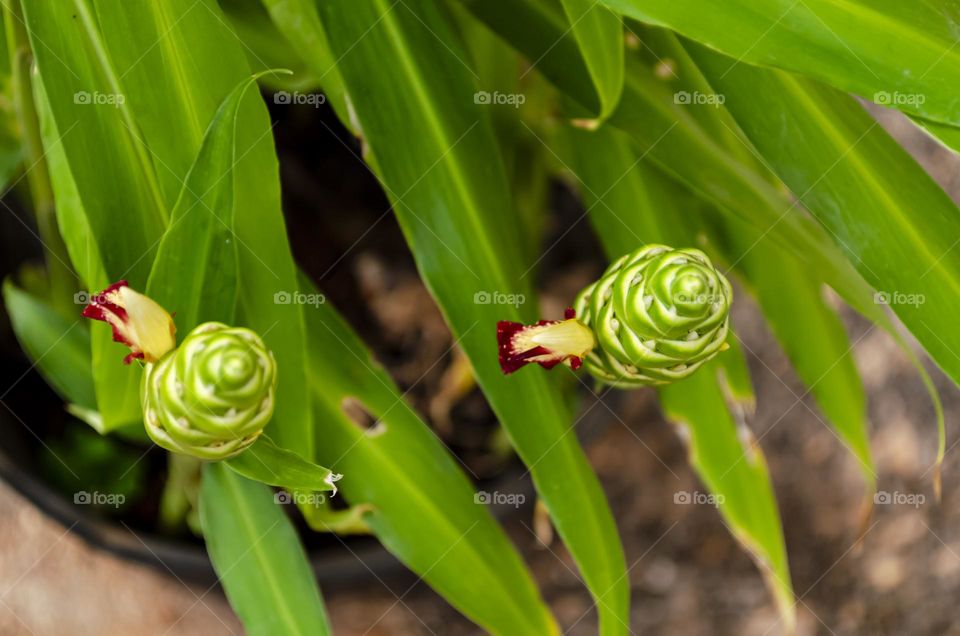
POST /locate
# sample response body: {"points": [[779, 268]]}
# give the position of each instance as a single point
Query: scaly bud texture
{"points": [[658, 315], [211, 396]]}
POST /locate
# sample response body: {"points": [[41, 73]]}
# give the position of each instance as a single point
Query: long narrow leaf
{"points": [[87, 116], [731, 464], [180, 60], [72, 218], [425, 510], [840, 161], [626, 199], [666, 133], [258, 557], [812, 336], [845, 43], [93, 116], [600, 35], [195, 271], [438, 161], [816, 345]]}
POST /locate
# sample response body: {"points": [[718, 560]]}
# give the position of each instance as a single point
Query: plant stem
{"points": [[180, 492]]}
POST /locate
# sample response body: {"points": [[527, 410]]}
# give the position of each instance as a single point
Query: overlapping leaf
{"points": [[195, 270], [811, 334], [424, 509], [599, 33], [816, 345], [665, 132], [299, 22], [629, 204], [85, 115], [731, 464], [840, 162], [181, 57], [258, 557], [896, 53], [439, 163]]}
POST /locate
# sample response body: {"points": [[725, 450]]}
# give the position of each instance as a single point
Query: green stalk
{"points": [[62, 279]]}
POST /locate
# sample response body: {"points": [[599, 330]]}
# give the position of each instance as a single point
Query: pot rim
{"points": [[364, 559]]}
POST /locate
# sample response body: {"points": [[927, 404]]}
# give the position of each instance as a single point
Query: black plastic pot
{"points": [[355, 560]]}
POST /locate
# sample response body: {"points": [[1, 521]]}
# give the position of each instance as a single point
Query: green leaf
{"points": [[668, 134], [730, 462], [846, 43], [516, 127], [181, 60], [424, 509], [599, 33], [23, 141], [269, 464], [93, 116], [195, 271], [627, 199], [439, 163], [86, 115], [786, 289], [735, 375], [299, 23], [72, 219], [11, 144], [267, 48], [813, 338], [59, 348], [175, 67], [840, 161], [258, 557]]}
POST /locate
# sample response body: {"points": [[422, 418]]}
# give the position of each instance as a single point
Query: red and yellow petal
{"points": [[548, 343], [137, 321]]}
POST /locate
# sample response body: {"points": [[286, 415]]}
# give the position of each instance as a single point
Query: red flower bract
{"points": [[548, 343], [137, 321]]}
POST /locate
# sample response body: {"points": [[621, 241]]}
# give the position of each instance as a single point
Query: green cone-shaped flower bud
{"points": [[658, 314], [211, 396]]}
